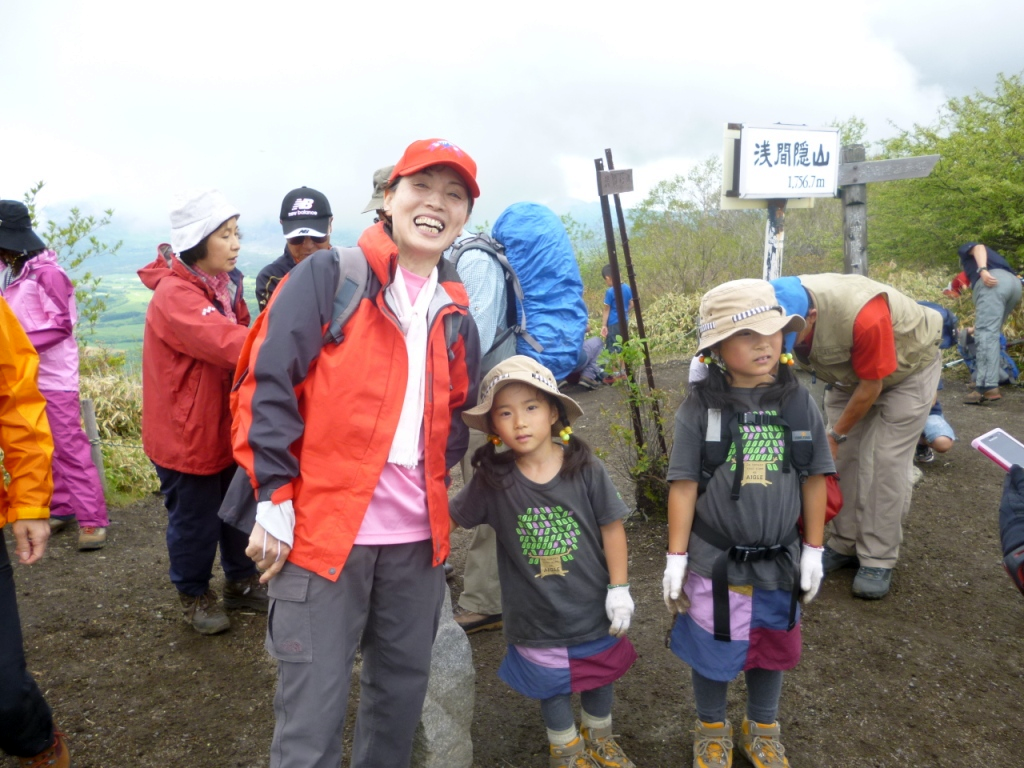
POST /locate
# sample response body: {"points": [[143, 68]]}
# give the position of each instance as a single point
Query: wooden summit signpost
{"points": [[779, 165]]}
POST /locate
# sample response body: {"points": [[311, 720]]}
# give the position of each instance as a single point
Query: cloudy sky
{"points": [[124, 104]]}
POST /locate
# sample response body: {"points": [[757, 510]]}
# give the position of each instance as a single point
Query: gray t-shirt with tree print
{"points": [[769, 502], [551, 563]]}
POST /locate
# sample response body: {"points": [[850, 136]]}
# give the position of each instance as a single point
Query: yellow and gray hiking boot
{"points": [[761, 745], [571, 755], [712, 745], [604, 750]]}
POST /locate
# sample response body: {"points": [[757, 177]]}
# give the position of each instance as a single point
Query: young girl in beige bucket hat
{"points": [[562, 558]]}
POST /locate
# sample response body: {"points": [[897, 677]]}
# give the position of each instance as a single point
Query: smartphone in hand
{"points": [[1000, 446]]}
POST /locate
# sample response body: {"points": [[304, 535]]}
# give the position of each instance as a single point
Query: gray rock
{"points": [[443, 738]]}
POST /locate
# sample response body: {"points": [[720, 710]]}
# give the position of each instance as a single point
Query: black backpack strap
{"points": [[354, 278], [741, 554]]}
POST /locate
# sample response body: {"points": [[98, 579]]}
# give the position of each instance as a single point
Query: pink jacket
{"points": [[43, 299]]}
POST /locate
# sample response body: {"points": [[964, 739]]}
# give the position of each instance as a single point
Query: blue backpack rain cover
{"points": [[538, 248]]}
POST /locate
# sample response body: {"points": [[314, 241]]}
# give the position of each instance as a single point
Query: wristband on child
{"points": [[616, 586], [811, 546], [677, 553]]}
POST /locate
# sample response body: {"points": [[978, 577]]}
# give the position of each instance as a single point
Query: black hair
{"points": [[197, 252], [495, 468], [715, 391], [606, 270]]}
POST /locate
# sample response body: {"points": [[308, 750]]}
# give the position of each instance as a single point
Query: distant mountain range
{"points": [[262, 241]]}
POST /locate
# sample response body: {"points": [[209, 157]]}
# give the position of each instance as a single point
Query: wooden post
{"points": [[855, 217], [774, 239], [93, 433]]}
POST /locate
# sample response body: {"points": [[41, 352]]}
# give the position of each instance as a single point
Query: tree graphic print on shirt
{"points": [[548, 536], [763, 446]]}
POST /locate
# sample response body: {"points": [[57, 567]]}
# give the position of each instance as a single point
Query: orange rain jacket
{"points": [[315, 423], [24, 431]]}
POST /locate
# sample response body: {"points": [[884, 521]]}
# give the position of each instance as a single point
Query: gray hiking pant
{"points": [[387, 602], [481, 591], [991, 308]]}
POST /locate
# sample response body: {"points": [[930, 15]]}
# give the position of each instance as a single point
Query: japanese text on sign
{"points": [[788, 161]]}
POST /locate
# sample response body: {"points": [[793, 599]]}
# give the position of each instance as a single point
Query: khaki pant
{"points": [[874, 467], [481, 591]]}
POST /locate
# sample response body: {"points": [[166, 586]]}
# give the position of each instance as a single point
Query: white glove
{"points": [[278, 520], [672, 584], [811, 571], [619, 607]]}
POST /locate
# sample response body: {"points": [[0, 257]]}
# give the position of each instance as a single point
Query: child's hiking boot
{"points": [[924, 454], [247, 593], [571, 755], [91, 537], [204, 613], [54, 756], [712, 745], [604, 750], [761, 745]]}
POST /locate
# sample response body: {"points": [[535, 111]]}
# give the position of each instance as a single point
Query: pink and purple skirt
{"points": [[541, 673], [759, 621]]}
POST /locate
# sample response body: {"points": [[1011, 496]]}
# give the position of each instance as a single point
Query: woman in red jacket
{"points": [[348, 447], [195, 326]]}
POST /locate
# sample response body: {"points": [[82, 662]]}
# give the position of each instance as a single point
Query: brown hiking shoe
{"points": [[54, 756], [58, 524], [247, 593], [204, 613], [91, 538]]}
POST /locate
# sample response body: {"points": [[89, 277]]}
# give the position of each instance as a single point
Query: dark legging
{"points": [[26, 725], [764, 687], [557, 711]]}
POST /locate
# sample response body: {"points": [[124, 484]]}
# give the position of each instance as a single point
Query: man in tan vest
{"points": [[877, 350]]}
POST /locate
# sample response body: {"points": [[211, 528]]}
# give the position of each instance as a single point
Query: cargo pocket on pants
{"points": [[289, 630]]}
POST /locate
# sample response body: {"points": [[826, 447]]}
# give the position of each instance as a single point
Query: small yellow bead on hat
{"points": [[742, 305], [520, 369]]}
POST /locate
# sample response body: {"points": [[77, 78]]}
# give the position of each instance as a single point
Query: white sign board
{"points": [[783, 161]]}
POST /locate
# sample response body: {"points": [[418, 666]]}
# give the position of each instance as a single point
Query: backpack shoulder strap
{"points": [[355, 282]]}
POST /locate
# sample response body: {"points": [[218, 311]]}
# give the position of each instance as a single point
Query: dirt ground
{"points": [[931, 676]]}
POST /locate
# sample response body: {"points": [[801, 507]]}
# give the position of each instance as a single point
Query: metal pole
{"points": [[613, 260], [93, 433], [855, 217], [774, 239], [648, 368]]}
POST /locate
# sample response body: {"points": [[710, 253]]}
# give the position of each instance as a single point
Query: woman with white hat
{"points": [[196, 324]]}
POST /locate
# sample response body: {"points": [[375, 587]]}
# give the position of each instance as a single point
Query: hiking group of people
{"points": [[342, 409]]}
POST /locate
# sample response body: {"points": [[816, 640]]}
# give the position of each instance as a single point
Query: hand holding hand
{"points": [[619, 607], [811, 571], [672, 584]]}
